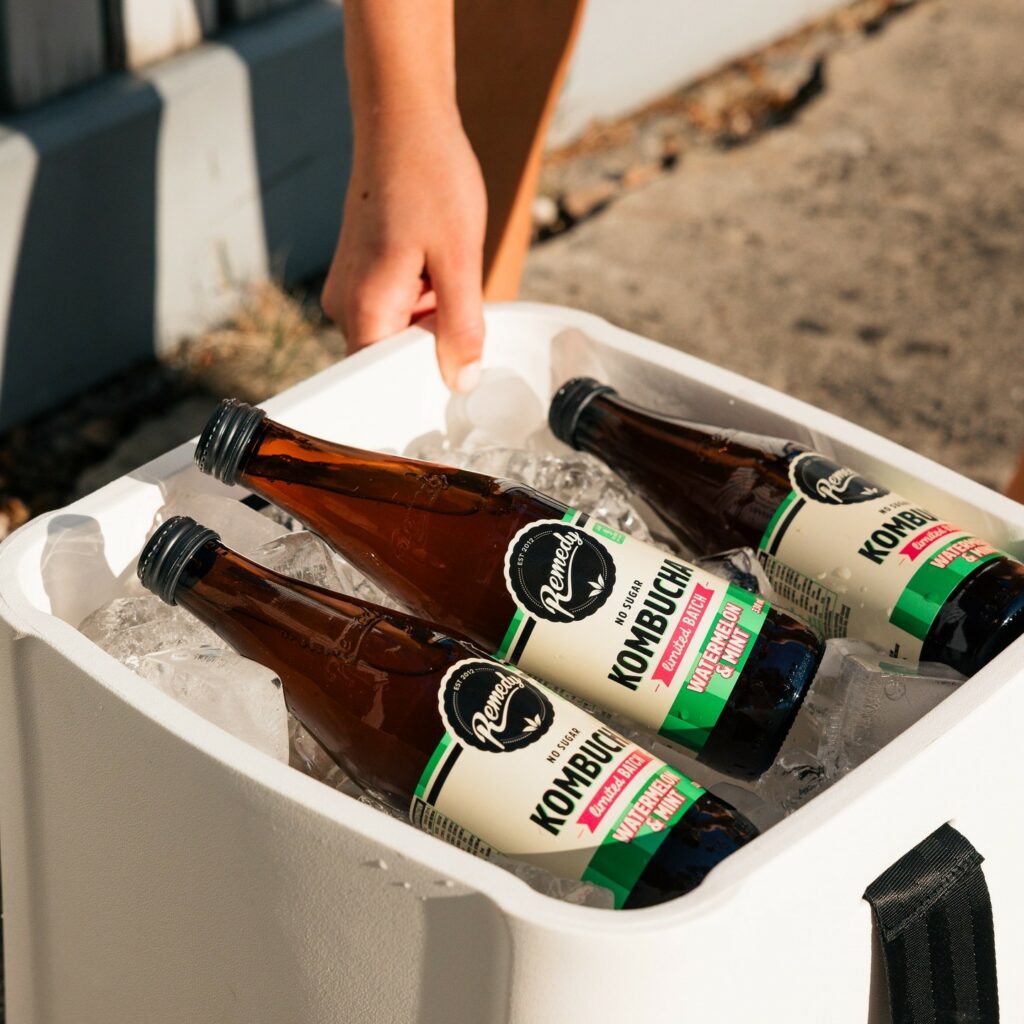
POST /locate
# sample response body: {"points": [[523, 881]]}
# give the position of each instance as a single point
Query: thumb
{"points": [[460, 321]]}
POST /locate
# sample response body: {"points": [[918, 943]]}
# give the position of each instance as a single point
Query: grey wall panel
{"points": [[245, 10], [46, 47], [81, 297], [127, 200], [302, 132]]}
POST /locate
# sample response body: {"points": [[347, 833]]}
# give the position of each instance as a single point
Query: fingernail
{"points": [[468, 377]]}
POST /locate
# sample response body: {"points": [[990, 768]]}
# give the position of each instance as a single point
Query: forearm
{"points": [[400, 56], [415, 210]]}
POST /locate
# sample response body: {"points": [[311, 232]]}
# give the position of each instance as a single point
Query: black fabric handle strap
{"points": [[934, 916]]}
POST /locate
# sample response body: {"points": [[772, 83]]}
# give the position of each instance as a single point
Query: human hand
{"points": [[412, 240]]}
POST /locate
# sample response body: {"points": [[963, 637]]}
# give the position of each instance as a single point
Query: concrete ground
{"points": [[867, 257]]}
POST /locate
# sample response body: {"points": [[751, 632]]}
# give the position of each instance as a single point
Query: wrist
{"points": [[398, 138], [400, 57], [405, 114]]}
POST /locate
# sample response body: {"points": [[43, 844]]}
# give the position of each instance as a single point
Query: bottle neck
{"points": [[608, 425], [281, 459], [262, 614], [715, 488], [362, 679]]}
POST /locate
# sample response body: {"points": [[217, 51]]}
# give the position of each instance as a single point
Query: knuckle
{"points": [[466, 334], [367, 307]]}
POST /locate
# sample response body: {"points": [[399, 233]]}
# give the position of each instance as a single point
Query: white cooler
{"points": [[155, 869]]}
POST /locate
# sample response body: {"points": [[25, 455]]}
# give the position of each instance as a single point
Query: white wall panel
{"points": [[152, 29], [631, 53]]}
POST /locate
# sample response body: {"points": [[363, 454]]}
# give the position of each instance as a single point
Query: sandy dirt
{"points": [[868, 256]]}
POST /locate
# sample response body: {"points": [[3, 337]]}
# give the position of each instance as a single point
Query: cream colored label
{"points": [[526, 772], [856, 560], [626, 626]]}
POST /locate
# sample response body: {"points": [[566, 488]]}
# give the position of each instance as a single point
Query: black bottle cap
{"points": [[224, 442], [569, 401], [168, 552]]}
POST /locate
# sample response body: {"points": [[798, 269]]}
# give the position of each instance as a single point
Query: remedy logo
{"points": [[493, 708], [821, 479], [557, 572]]}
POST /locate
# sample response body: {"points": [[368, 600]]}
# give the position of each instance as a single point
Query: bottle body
{"points": [[472, 750], [616, 621], [842, 551]]}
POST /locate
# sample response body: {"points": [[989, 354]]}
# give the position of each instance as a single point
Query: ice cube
{"points": [[584, 483], [506, 463], [740, 566], [858, 702], [502, 407], [303, 556], [129, 628], [881, 697], [613, 506], [796, 776], [278, 515], [758, 811], [366, 590], [306, 754], [575, 354], [581, 483], [239, 526], [475, 441], [433, 447], [241, 696], [120, 614]]}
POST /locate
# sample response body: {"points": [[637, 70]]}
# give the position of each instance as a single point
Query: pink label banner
{"points": [[682, 636], [594, 813], [925, 540]]}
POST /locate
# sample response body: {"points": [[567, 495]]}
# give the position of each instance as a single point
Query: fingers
{"points": [[372, 318], [460, 319], [426, 303], [374, 304]]}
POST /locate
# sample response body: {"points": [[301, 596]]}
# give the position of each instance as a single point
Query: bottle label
{"points": [[856, 560], [524, 771], [626, 626]]}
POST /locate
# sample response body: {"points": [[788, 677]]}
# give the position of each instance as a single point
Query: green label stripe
{"points": [[626, 850], [435, 758], [930, 587], [705, 691], [774, 521], [510, 634], [570, 515], [608, 533]]}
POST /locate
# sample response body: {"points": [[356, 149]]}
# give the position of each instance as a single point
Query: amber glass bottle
{"points": [[570, 600], [473, 750], [846, 553]]}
